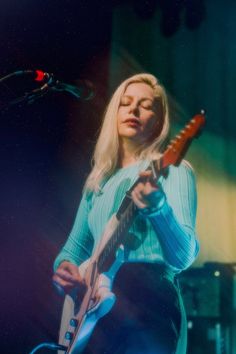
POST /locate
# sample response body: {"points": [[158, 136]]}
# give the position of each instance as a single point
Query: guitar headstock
{"points": [[179, 145]]}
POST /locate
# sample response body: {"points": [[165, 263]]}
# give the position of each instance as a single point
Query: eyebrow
{"points": [[142, 99]]}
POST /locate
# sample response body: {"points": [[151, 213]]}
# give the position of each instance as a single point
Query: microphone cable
{"points": [[51, 346]]}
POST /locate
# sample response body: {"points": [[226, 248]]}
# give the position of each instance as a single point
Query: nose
{"points": [[134, 107]]}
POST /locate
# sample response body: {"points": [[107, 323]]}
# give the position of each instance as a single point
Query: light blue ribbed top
{"points": [[165, 236]]}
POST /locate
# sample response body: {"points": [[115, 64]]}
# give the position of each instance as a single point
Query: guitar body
{"points": [[97, 301]]}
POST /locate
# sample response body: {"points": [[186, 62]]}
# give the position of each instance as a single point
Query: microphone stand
{"points": [[84, 92]]}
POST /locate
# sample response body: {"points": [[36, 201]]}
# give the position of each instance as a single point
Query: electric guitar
{"points": [[79, 318]]}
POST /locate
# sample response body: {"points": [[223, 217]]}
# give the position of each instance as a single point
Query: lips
{"points": [[132, 121]]}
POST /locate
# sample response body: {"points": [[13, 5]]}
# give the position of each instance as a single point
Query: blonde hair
{"points": [[106, 153]]}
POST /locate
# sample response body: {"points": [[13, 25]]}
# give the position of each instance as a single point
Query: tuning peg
{"points": [[188, 126], [178, 137]]}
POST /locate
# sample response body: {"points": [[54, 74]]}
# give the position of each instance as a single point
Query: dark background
{"points": [[43, 161], [45, 147]]}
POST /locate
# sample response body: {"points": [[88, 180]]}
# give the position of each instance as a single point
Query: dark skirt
{"points": [[145, 318]]}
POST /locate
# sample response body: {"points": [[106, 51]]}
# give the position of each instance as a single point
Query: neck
{"points": [[128, 153]]}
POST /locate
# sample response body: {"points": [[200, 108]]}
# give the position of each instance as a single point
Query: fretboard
{"points": [[125, 219]]}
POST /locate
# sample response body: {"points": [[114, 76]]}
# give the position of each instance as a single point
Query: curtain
{"points": [[198, 69]]}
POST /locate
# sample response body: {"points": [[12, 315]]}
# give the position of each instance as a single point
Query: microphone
{"points": [[83, 90], [37, 75]]}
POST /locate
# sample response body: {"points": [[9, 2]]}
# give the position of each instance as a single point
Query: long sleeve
{"points": [[174, 222], [79, 245]]}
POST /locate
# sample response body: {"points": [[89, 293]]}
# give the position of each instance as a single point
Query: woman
{"points": [[161, 241]]}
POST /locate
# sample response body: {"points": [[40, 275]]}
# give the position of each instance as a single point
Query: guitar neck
{"points": [[125, 218]]}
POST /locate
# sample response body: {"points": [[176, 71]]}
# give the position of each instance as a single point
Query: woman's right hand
{"points": [[67, 278]]}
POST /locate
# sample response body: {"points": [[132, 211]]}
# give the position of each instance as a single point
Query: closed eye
{"points": [[147, 104], [125, 101]]}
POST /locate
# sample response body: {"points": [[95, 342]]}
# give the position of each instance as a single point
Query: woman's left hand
{"points": [[146, 194]]}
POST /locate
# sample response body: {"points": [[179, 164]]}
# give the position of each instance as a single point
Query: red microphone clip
{"points": [[40, 75]]}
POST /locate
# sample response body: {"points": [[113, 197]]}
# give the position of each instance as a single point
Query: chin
{"points": [[129, 136], [129, 133]]}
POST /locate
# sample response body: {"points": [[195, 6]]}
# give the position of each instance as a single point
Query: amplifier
{"points": [[208, 291]]}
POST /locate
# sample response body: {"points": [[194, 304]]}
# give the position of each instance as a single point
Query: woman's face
{"points": [[138, 113]]}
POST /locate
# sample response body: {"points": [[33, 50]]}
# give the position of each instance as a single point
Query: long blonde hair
{"points": [[106, 152]]}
